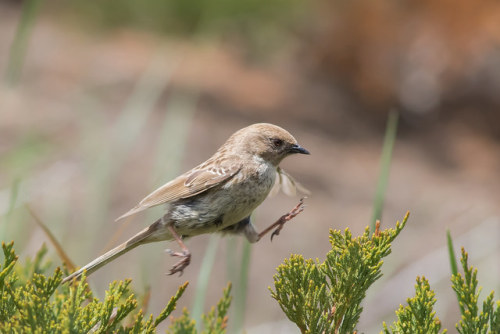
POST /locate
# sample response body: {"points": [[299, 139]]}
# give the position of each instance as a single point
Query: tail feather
{"points": [[131, 212], [138, 239]]}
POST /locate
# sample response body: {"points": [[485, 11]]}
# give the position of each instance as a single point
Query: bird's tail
{"points": [[140, 238]]}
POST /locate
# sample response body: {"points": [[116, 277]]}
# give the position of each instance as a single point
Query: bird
{"points": [[219, 195]]}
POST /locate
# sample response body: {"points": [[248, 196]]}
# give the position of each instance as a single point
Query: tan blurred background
{"points": [[102, 102]]}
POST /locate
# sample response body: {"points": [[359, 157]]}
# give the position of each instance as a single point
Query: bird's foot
{"points": [[286, 217], [182, 264]]}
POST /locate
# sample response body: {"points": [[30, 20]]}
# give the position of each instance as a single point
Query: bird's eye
{"points": [[277, 142]]}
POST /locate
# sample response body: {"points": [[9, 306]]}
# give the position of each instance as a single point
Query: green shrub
{"points": [[466, 287], [318, 297], [326, 297], [32, 302], [418, 317]]}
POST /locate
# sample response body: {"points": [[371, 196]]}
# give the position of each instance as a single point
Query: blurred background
{"points": [[102, 102]]}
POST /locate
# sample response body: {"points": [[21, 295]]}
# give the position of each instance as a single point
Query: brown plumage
{"points": [[219, 195]]}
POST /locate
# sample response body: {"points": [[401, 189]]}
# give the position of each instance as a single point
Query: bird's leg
{"points": [[185, 255], [278, 225]]}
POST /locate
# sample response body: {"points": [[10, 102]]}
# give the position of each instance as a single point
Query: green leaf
{"points": [[385, 164]]}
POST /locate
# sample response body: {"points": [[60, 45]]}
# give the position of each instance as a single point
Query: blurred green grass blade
{"points": [[453, 263], [173, 138], [14, 194], [203, 279], [19, 45], [451, 253], [115, 144], [242, 289], [13, 197], [231, 255], [385, 165], [141, 104]]}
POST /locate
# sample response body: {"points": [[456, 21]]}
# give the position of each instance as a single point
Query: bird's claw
{"points": [[277, 230], [182, 264], [289, 216]]}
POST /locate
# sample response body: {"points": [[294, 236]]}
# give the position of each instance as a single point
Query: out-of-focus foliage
{"points": [[222, 17], [326, 297]]}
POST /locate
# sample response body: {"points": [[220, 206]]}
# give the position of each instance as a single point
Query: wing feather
{"points": [[186, 185], [286, 183]]}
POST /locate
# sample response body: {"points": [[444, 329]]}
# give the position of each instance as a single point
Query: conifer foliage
{"points": [[31, 302], [326, 297]]}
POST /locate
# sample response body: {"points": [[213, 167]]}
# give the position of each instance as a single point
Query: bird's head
{"points": [[268, 141]]}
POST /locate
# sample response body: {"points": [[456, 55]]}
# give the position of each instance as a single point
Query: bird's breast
{"points": [[247, 190], [225, 205]]}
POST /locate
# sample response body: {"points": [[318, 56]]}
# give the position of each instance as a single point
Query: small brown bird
{"points": [[217, 196]]}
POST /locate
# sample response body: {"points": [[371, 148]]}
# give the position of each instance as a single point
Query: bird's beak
{"points": [[298, 149]]}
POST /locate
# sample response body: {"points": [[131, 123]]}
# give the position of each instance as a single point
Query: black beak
{"points": [[298, 149]]}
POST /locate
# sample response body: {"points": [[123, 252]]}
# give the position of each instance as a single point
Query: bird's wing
{"points": [[186, 185], [287, 184]]}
